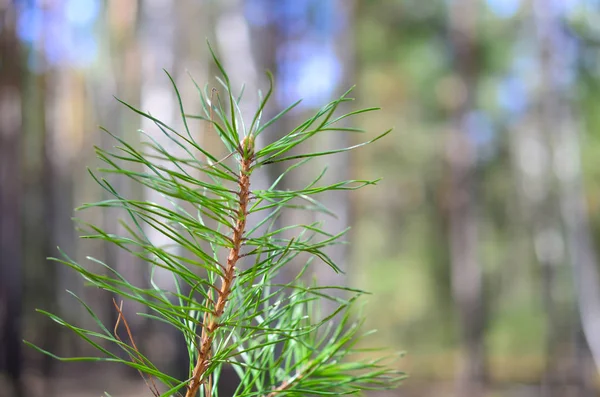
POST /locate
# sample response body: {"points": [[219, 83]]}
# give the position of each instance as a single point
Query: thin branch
{"points": [[295, 379], [119, 308]]}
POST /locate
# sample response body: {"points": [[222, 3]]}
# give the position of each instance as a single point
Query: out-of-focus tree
{"points": [[11, 265], [462, 205], [308, 46], [557, 52], [39, 183], [532, 147]]}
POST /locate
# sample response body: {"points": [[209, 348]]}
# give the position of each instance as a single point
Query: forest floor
{"points": [[125, 388], [95, 383]]}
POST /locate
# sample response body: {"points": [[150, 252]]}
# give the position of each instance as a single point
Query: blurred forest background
{"points": [[480, 244]]}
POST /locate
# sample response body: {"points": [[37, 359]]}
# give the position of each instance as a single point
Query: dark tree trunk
{"points": [[10, 198], [39, 186]]}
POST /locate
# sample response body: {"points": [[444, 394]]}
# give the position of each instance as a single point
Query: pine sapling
{"points": [[229, 247]]}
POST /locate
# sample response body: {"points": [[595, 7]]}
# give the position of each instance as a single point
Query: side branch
{"points": [[292, 381]]}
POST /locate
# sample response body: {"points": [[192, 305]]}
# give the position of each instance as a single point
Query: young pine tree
{"points": [[225, 302]]}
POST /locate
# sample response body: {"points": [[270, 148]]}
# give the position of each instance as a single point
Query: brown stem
{"points": [[211, 323]]}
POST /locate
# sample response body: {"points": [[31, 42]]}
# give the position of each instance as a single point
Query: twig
{"points": [[284, 386], [152, 388], [290, 382]]}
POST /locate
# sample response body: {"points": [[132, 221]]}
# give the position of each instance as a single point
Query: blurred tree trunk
{"points": [[265, 50], [559, 122], [119, 76], [191, 55], [466, 271], [276, 48], [536, 146], [11, 273], [124, 74], [102, 85], [233, 36], [65, 130], [39, 190], [338, 165], [158, 50], [584, 370]]}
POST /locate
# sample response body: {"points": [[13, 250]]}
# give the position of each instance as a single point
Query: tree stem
{"points": [[211, 323]]}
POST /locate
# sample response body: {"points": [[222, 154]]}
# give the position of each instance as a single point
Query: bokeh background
{"points": [[479, 244]]}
